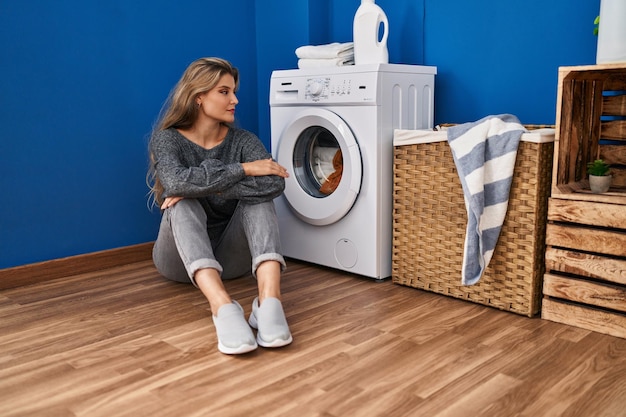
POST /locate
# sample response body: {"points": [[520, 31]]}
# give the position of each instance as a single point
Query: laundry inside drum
{"points": [[318, 161]]}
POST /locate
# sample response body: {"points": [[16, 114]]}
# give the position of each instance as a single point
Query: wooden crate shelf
{"points": [[591, 124], [585, 280]]}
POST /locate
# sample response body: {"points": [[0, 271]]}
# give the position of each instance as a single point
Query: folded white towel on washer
{"points": [[323, 63], [328, 51]]}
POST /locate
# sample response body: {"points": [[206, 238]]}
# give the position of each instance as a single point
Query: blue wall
{"points": [[81, 83]]}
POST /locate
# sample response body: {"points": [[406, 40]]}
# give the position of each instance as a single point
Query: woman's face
{"points": [[219, 103]]}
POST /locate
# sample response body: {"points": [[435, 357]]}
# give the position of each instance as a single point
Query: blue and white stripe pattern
{"points": [[484, 153]]}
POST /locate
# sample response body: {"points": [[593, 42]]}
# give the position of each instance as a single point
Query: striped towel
{"points": [[484, 153]]}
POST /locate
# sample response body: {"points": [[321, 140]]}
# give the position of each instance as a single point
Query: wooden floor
{"points": [[124, 342]]}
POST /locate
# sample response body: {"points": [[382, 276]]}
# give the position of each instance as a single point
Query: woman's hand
{"points": [[170, 201], [264, 167]]}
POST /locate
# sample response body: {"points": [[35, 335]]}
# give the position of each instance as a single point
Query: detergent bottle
{"points": [[368, 47], [612, 32]]}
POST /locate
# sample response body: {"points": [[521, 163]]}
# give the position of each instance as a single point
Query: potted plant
{"points": [[599, 178]]}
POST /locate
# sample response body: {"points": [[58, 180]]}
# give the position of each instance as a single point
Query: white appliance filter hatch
{"points": [[346, 253]]}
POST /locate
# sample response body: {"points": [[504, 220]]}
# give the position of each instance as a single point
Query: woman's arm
{"points": [[184, 173], [246, 172], [265, 178]]}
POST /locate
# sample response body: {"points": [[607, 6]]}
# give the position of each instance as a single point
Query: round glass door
{"points": [[322, 156]]}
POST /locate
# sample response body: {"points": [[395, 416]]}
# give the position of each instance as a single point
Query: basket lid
{"points": [[403, 137]]}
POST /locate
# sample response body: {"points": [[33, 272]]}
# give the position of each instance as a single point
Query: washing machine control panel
{"points": [[333, 89], [322, 88], [325, 89]]}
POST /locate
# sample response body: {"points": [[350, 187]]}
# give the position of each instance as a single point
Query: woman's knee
{"points": [[173, 269], [261, 214], [188, 207]]}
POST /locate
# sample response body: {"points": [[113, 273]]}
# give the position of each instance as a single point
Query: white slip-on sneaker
{"points": [[234, 336], [269, 319]]}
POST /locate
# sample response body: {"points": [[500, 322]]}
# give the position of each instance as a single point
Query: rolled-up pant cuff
{"points": [[202, 264], [268, 257]]}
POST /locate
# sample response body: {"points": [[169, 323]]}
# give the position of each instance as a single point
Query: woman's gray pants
{"points": [[183, 245]]}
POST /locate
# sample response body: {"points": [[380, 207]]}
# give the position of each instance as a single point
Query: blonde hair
{"points": [[180, 110]]}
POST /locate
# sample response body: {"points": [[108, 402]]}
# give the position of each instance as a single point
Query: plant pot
{"points": [[600, 184]]}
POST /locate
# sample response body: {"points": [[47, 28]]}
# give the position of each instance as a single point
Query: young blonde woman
{"points": [[215, 184]]}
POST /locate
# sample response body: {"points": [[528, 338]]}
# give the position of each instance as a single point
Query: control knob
{"points": [[316, 88]]}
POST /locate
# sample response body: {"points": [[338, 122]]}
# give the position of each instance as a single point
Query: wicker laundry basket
{"points": [[430, 219]]}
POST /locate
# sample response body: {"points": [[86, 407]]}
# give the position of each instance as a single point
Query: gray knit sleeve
{"points": [[185, 170], [253, 189]]}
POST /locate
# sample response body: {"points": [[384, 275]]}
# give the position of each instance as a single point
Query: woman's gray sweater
{"points": [[213, 176]]}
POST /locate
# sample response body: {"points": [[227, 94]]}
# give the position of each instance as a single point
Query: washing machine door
{"points": [[322, 156]]}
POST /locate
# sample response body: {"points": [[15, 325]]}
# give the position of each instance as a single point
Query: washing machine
{"points": [[332, 128]]}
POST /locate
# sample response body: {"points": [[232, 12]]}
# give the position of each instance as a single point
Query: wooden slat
{"points": [[619, 180], [614, 130], [587, 292], [613, 154], [593, 112], [616, 81], [612, 74], [584, 317], [614, 105], [579, 127], [587, 212], [586, 239], [56, 268], [564, 135], [580, 192], [586, 265]]}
